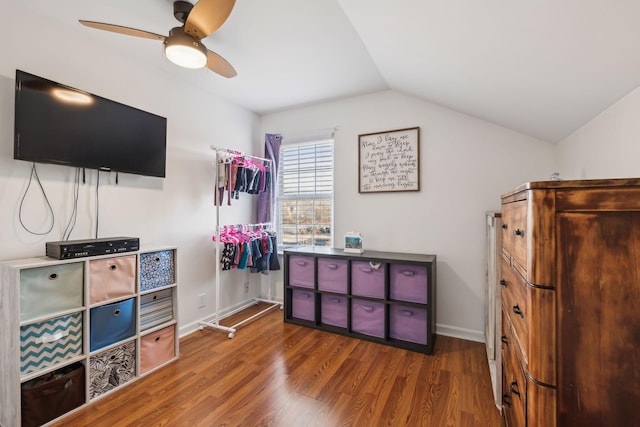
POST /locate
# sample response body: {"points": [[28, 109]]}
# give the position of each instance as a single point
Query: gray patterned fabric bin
{"points": [[111, 368], [156, 308], [157, 269]]}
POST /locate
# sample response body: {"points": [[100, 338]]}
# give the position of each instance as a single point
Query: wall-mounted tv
{"points": [[58, 124]]}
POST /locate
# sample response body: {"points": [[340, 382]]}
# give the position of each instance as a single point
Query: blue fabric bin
{"points": [[111, 323]]}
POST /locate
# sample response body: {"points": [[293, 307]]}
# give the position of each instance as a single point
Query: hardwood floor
{"points": [[278, 374]]}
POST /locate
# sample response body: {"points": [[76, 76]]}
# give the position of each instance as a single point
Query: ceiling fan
{"points": [[183, 46]]}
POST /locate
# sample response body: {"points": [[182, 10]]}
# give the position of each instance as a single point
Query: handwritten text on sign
{"points": [[389, 161]]}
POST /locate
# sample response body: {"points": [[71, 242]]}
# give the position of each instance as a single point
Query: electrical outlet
{"points": [[246, 287], [202, 300]]}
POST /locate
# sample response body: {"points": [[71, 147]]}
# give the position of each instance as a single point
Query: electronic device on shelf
{"points": [[91, 247]]}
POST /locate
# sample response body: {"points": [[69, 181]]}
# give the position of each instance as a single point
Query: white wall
{"points": [[607, 146], [177, 210], [465, 164]]}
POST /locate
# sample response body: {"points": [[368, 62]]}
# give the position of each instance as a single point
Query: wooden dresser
{"points": [[570, 280]]}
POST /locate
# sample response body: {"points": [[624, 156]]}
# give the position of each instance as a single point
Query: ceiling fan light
{"points": [[184, 50]]}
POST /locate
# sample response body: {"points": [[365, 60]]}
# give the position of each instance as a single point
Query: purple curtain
{"points": [[266, 199]]}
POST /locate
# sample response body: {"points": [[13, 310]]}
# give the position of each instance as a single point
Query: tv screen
{"points": [[58, 124]]}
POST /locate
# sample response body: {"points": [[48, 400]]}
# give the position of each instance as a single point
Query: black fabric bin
{"points": [[51, 395]]}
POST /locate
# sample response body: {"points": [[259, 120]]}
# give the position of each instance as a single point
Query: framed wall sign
{"points": [[389, 161]]}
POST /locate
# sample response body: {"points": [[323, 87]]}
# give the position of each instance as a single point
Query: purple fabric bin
{"points": [[408, 283], [333, 310], [301, 271], [367, 279], [408, 323], [367, 317], [332, 275], [302, 305]]}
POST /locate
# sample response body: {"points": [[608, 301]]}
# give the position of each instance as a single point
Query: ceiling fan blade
{"points": [[207, 16], [123, 30], [218, 64]]}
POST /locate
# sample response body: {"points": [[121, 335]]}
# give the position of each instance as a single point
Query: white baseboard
{"points": [[457, 332]]}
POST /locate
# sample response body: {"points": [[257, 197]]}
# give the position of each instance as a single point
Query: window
{"points": [[305, 194]]}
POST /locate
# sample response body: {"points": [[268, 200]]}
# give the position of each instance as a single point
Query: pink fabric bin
{"points": [[111, 278], [367, 317], [157, 348], [367, 279], [333, 310], [303, 304], [301, 271], [408, 323], [332, 275], [408, 283]]}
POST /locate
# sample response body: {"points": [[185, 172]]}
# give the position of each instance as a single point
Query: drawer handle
{"points": [[157, 259], [366, 270], [518, 232], [306, 295], [517, 310], [503, 283], [155, 297], [334, 299], [505, 400], [375, 265], [514, 388], [332, 266], [53, 276], [301, 263], [157, 339], [504, 340], [116, 312], [407, 312], [504, 226], [408, 273], [113, 267], [47, 338], [367, 308]]}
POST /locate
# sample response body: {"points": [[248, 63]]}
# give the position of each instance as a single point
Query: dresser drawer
{"points": [[514, 231], [367, 279], [332, 275], [111, 278], [515, 303], [157, 269], [157, 348], [367, 317], [301, 271], [52, 289], [514, 387], [46, 344], [408, 282], [333, 310]]}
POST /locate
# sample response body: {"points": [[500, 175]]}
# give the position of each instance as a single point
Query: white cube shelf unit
{"points": [[74, 330]]}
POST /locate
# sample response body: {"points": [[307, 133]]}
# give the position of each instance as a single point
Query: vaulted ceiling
{"points": [[543, 68]]}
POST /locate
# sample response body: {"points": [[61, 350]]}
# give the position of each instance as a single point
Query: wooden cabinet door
{"points": [[598, 318]]}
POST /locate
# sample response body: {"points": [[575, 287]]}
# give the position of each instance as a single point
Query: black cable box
{"points": [[91, 247]]}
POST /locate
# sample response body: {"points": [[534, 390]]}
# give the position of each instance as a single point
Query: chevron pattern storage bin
{"points": [[111, 368], [157, 269], [48, 343]]}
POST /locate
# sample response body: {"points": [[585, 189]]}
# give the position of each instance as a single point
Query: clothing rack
{"points": [[215, 323]]}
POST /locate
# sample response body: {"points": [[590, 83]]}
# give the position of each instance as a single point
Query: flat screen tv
{"points": [[58, 124]]}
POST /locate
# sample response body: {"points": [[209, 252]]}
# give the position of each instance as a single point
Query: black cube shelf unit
{"points": [[384, 297]]}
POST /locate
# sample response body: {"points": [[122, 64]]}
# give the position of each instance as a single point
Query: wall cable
{"points": [[74, 212], [33, 173]]}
